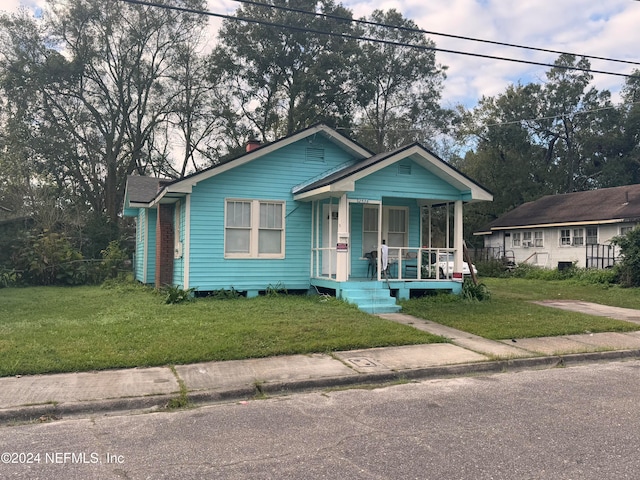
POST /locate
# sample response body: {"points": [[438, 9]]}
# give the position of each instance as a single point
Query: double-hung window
{"points": [[254, 229], [565, 237], [592, 235], [538, 238], [397, 227], [578, 237], [395, 221], [516, 239], [369, 229]]}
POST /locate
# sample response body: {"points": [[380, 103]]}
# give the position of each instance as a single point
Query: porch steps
{"points": [[370, 297]]}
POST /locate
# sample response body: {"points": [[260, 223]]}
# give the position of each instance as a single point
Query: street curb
{"points": [[31, 413], [155, 403], [278, 388]]}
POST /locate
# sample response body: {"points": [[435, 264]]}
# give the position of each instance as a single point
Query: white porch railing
{"points": [[418, 264], [323, 262], [410, 264]]}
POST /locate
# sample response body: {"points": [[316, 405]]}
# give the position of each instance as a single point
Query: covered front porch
{"points": [[389, 226], [392, 247]]}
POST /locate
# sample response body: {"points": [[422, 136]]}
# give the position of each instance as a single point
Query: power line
{"points": [[560, 115], [427, 32], [374, 40]]}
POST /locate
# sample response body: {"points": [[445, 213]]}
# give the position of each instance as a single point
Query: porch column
{"points": [[457, 241], [343, 248]]}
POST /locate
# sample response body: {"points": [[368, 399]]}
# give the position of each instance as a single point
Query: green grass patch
{"points": [[57, 329], [510, 313]]}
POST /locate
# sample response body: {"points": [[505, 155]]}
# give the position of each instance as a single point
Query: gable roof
{"points": [[184, 185], [605, 205], [142, 190], [346, 177], [147, 191]]}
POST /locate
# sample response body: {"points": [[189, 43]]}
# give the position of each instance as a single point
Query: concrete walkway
{"points": [[33, 397]]}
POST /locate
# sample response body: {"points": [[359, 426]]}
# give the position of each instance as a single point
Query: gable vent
{"points": [[404, 169], [314, 155]]}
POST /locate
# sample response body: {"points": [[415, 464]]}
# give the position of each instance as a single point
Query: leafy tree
{"points": [[97, 78], [539, 139], [622, 142], [197, 114], [400, 86], [284, 80], [506, 159], [570, 114]]}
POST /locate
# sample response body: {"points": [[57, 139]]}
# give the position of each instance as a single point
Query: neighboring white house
{"points": [[573, 227]]}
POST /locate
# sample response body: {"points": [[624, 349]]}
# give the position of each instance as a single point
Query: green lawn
{"points": [[51, 329], [510, 313]]}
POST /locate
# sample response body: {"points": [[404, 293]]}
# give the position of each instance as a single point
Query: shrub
{"points": [[224, 294], [276, 290], [596, 276], [113, 260], [492, 268], [173, 294], [535, 272], [49, 259], [475, 292], [8, 278], [585, 276], [629, 268]]}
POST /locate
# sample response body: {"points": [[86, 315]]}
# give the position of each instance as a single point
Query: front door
{"points": [[329, 239]]}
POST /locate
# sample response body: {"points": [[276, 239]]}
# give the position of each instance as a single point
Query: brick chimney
{"points": [[164, 245], [252, 144]]}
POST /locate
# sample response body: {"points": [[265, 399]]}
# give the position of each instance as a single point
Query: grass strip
{"points": [[510, 313], [53, 329]]}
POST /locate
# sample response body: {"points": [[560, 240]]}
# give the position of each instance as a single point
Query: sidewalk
{"points": [[24, 398]]}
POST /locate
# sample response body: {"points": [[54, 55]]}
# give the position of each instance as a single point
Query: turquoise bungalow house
{"points": [[306, 212]]}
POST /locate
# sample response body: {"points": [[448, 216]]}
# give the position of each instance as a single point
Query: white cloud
{"points": [[11, 6], [606, 29]]}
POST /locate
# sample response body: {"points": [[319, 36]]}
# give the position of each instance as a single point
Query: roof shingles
{"points": [[605, 204]]}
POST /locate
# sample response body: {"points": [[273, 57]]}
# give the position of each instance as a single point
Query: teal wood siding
{"points": [[178, 263], [358, 265], [419, 184], [268, 178], [141, 233], [152, 220]]}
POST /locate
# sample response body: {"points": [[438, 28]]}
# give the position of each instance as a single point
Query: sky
{"points": [[585, 27]]}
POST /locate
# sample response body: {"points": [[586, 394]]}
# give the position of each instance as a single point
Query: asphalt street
{"points": [[580, 422]]}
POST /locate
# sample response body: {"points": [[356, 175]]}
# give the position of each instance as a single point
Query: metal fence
{"points": [[600, 256]]}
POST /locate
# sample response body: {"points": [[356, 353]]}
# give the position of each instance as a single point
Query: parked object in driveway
{"points": [[445, 262]]}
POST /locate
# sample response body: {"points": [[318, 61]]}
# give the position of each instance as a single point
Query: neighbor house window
{"points": [[254, 229], [526, 239], [516, 239], [578, 237], [538, 239], [592, 235], [565, 236], [625, 230]]}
